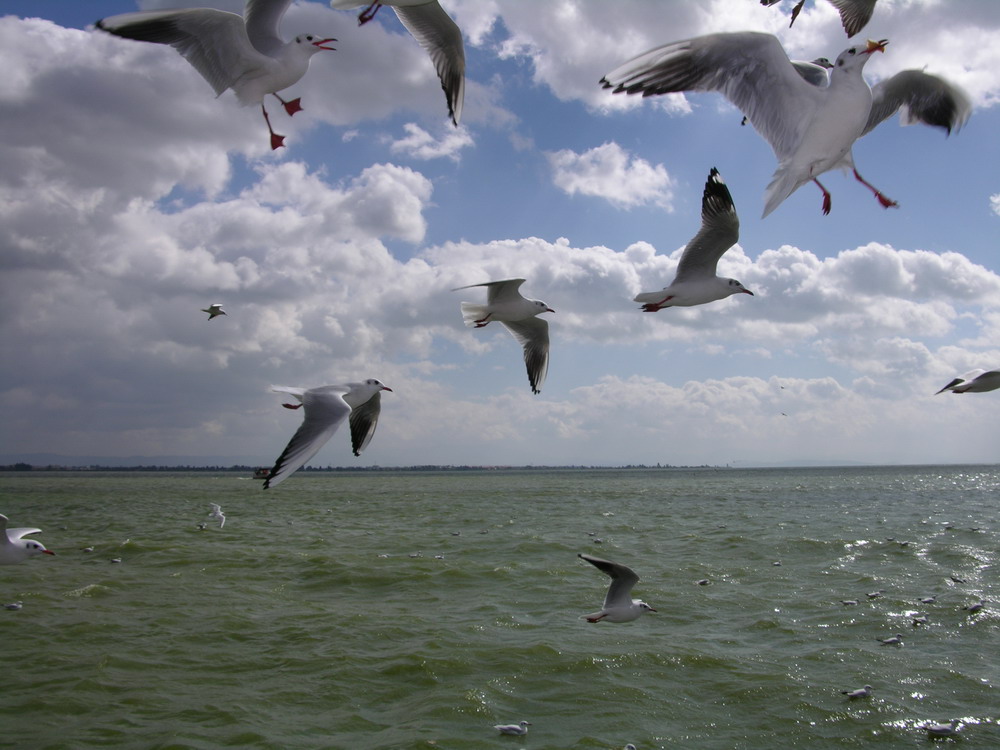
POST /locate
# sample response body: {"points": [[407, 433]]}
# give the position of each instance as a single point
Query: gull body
{"points": [[325, 408], [214, 310], [695, 282], [893, 640], [942, 730], [810, 128], [516, 729], [436, 32], [505, 305], [859, 693], [619, 606], [14, 548], [976, 381], [242, 53]]}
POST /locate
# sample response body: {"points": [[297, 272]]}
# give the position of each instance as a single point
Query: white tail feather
{"points": [[471, 312]]}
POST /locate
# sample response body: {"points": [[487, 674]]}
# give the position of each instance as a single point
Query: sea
{"points": [[418, 609]]}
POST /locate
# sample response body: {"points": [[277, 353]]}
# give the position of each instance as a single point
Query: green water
{"points": [[416, 610]]}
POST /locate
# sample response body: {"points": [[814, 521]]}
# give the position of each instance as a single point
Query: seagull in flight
{"points": [[696, 282], [214, 311], [436, 32], [325, 408], [505, 305], [619, 606], [854, 14], [242, 53], [810, 128], [14, 548], [976, 381], [216, 514]]}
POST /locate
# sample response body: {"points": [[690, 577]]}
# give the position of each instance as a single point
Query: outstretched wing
{"points": [[441, 37], [533, 335], [363, 420], [720, 229], [922, 97], [324, 410]]}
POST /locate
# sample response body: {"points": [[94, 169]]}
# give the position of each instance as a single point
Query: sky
{"points": [[131, 197]]}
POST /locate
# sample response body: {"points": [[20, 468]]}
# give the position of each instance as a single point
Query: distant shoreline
{"points": [[243, 469]]}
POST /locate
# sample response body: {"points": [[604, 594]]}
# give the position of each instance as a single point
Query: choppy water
{"points": [[308, 623]]}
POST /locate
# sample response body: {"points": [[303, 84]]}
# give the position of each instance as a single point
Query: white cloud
{"points": [[610, 172], [420, 144], [995, 203]]}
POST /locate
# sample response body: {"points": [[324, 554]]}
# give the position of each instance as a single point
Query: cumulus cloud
{"points": [[610, 172], [420, 144], [995, 203]]}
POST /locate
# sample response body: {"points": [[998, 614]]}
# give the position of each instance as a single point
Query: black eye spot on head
{"points": [[309, 38]]}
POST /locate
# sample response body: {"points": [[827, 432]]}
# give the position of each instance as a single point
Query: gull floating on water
{"points": [[216, 514], [619, 606], [810, 128], [325, 408], [214, 310], [942, 730], [854, 14], [518, 729], [893, 640], [242, 53], [436, 32], [976, 381], [15, 549], [505, 305], [859, 693], [695, 282]]}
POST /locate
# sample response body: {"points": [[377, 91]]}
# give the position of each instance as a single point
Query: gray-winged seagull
{"points": [[619, 606], [854, 14], [976, 381], [14, 548]]}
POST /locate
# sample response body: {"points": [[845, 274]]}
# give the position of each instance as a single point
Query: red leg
{"points": [[482, 321], [295, 105], [368, 13], [654, 306], [277, 141], [886, 202], [826, 197]]}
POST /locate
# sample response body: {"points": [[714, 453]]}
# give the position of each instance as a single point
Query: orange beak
{"points": [[878, 46]]}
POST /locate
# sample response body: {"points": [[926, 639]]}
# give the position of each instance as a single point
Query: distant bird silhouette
{"points": [[214, 311]]}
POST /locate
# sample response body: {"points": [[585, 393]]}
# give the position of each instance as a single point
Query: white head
{"points": [[309, 44], [32, 548], [643, 606], [541, 307], [854, 58], [735, 287]]}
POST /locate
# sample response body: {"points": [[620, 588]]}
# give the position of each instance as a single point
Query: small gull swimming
{"points": [[505, 305], [619, 606], [810, 128], [515, 729], [859, 693], [696, 282], [935, 729], [14, 548], [893, 640], [325, 408], [242, 53]]}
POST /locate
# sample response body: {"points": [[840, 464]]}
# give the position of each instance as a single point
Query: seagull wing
{"points": [[15, 534], [749, 68], [854, 14], [324, 409], [262, 18], [952, 384], [441, 37], [922, 97], [623, 579], [812, 73], [363, 420], [498, 291], [215, 42], [720, 229], [533, 335]]}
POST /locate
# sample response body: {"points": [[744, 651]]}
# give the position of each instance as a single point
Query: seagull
{"points": [[216, 514], [859, 693], [894, 640], [214, 310], [505, 305], [15, 549], [854, 14], [973, 608], [810, 128], [325, 408], [519, 729], [619, 606], [695, 282], [942, 730], [242, 53], [440, 36], [976, 381]]}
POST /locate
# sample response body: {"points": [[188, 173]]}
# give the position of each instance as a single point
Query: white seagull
{"points": [[810, 128], [436, 32], [695, 282], [216, 514], [859, 693], [242, 53], [214, 310], [505, 305], [942, 730], [619, 606], [518, 729], [976, 381], [15, 549], [854, 14], [325, 408], [893, 640]]}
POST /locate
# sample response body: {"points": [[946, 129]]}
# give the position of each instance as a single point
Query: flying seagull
{"points": [[325, 408], [854, 14], [695, 282], [505, 305], [810, 128], [216, 514], [242, 53], [619, 606], [976, 381], [214, 310], [14, 548], [436, 32]]}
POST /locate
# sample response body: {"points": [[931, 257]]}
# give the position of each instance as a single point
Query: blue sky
{"points": [[132, 197]]}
